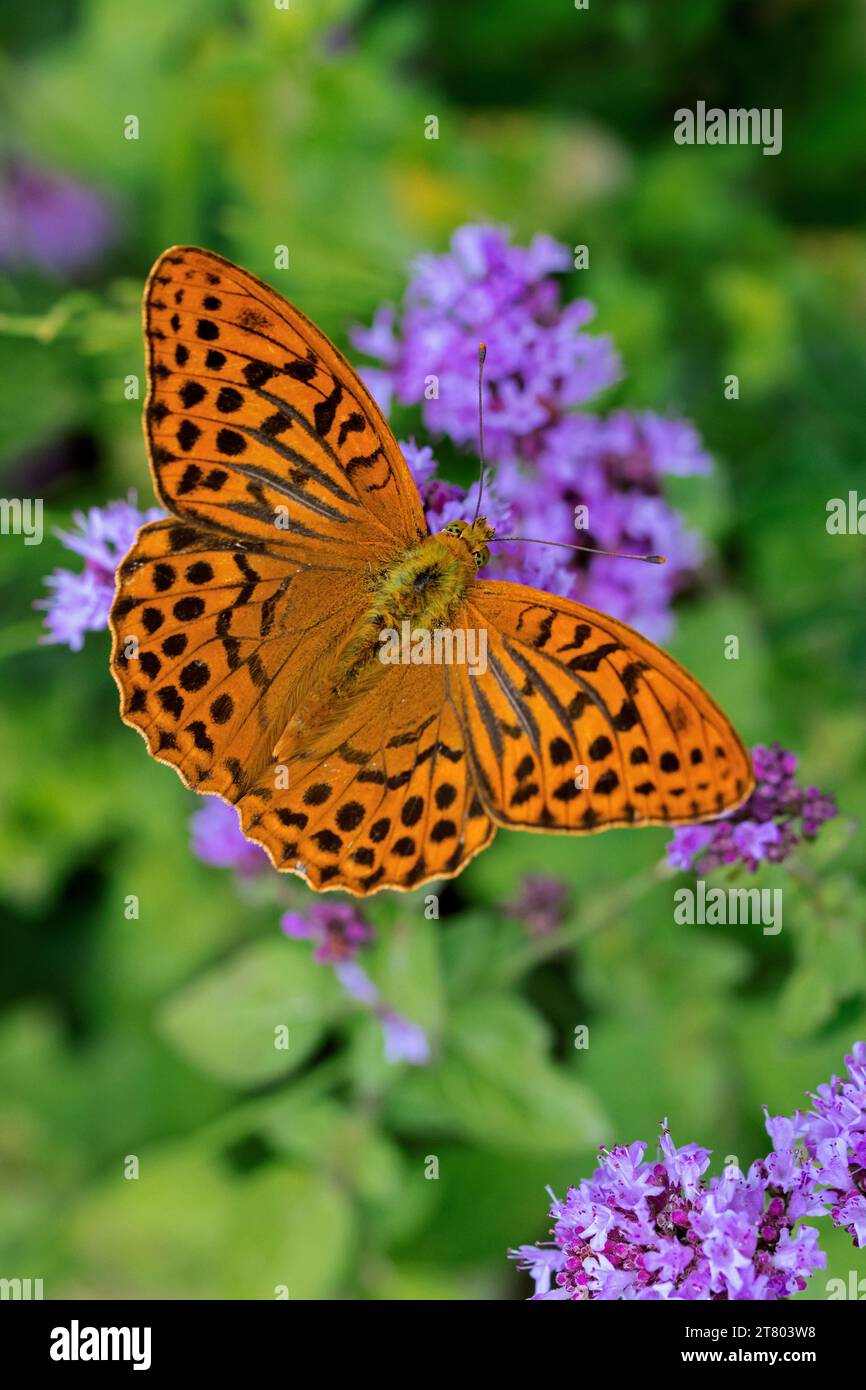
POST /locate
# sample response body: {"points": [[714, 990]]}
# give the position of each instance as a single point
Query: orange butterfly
{"points": [[277, 611]]}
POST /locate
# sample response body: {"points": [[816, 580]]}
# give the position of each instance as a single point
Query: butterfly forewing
{"points": [[214, 643], [258, 427], [580, 723], [289, 492]]}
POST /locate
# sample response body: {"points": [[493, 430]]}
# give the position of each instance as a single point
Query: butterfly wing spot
{"points": [[254, 320], [679, 718]]}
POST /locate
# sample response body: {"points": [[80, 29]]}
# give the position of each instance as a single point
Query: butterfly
{"points": [[250, 626]]}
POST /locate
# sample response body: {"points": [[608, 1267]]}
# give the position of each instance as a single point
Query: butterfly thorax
{"points": [[424, 585], [428, 582]]}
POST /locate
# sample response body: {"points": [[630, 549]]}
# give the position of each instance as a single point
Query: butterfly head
{"points": [[474, 536]]}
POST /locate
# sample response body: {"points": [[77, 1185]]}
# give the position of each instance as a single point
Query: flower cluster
{"points": [[778, 815], [80, 602], [561, 473], [656, 1230], [340, 933], [667, 1230], [834, 1133], [50, 221], [337, 929]]}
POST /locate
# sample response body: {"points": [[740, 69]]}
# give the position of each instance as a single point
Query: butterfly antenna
{"points": [[482, 353], [590, 549]]}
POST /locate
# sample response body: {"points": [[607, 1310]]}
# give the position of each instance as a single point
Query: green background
{"points": [[151, 1037]]}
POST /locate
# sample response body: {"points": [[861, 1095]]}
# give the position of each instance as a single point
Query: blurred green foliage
{"points": [[152, 1038]]}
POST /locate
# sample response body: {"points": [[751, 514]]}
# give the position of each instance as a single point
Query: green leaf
{"points": [[806, 1002], [737, 683], [418, 1284], [185, 1229], [344, 1142], [285, 1227], [777, 1070], [497, 1087], [834, 839], [225, 1022], [155, 1236], [405, 966], [831, 935], [473, 941], [362, 1160]]}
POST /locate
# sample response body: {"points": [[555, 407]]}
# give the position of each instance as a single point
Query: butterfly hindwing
{"points": [[580, 723], [390, 802]]}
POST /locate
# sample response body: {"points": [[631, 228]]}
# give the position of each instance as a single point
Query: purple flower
{"points": [[542, 904], [541, 1263], [340, 934], [673, 446], [80, 602], [422, 464], [541, 360], [50, 221], [357, 983], [664, 1230], [599, 482], [217, 839], [338, 930], [834, 1133], [688, 841], [765, 829], [753, 838], [404, 1041], [560, 473], [444, 501]]}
